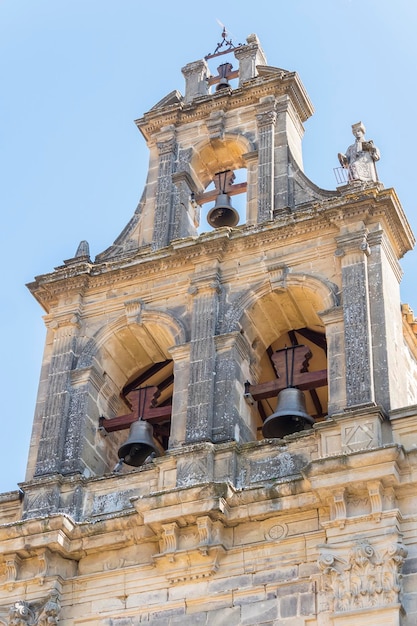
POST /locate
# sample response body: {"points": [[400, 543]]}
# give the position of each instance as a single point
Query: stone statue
{"points": [[360, 157]]}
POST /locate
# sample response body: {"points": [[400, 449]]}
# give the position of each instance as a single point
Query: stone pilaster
{"points": [[353, 251], [384, 275], [79, 450], [249, 57], [251, 161], [181, 357], [202, 359], [266, 119], [336, 372], [232, 415], [51, 442], [165, 189], [196, 84], [186, 213]]}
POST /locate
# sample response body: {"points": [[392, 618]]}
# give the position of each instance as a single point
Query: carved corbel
{"points": [[215, 125], [170, 538], [339, 510], [12, 563], [43, 558], [205, 528], [133, 311], [375, 497]]}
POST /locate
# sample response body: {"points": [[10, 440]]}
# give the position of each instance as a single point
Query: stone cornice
{"points": [[329, 216], [200, 108]]}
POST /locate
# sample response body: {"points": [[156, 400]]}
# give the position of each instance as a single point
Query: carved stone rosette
{"points": [[365, 579]]}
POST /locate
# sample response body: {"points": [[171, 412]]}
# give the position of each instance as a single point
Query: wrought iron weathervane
{"points": [[224, 43]]}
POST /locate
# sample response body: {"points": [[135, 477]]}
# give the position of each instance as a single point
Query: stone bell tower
{"points": [[226, 422]]}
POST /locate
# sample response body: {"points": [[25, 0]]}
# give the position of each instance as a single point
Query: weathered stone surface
{"points": [[314, 528]]}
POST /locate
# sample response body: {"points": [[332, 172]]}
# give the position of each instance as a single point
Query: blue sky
{"points": [[76, 73]]}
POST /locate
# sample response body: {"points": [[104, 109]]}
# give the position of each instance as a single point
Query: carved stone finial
{"points": [[83, 249]]}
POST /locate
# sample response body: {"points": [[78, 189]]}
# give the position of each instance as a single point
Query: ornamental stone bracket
{"points": [[370, 493], [361, 576], [37, 566], [192, 552], [190, 525]]}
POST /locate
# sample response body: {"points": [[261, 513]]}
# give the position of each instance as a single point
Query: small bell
{"points": [[139, 445], [222, 214], [290, 415]]}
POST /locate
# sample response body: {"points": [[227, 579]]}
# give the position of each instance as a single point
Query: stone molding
{"points": [[326, 214], [200, 108]]}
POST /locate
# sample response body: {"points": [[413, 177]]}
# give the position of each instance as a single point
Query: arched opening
{"points": [[276, 322], [237, 199], [158, 381], [131, 358], [210, 162]]}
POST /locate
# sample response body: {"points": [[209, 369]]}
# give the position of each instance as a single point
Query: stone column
{"points": [[202, 359], [266, 119], [353, 251], [165, 189], [196, 83], [233, 419], [249, 57], [55, 417]]}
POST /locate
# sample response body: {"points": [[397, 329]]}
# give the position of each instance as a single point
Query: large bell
{"points": [[290, 415], [139, 445], [222, 214]]}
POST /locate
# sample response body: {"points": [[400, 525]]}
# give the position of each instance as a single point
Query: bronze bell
{"points": [[290, 415], [139, 445], [222, 214]]}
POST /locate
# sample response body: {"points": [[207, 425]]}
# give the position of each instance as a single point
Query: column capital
{"points": [[353, 243], [166, 140]]}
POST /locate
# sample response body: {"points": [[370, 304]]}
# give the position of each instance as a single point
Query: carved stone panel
{"points": [[363, 577]]}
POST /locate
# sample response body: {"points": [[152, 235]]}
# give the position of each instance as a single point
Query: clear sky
{"points": [[76, 73]]}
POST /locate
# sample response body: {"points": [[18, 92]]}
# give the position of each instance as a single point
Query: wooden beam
{"points": [[151, 413], [210, 196], [302, 380]]}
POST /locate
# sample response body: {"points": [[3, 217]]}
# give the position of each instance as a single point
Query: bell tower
{"points": [[226, 418]]}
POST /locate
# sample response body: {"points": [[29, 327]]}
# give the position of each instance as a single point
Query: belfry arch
{"points": [[214, 165], [132, 352], [283, 318]]}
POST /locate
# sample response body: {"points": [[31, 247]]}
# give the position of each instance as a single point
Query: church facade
{"points": [[226, 423]]}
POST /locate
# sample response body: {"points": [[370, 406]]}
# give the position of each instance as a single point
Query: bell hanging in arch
{"points": [[139, 445], [223, 214], [290, 415]]}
